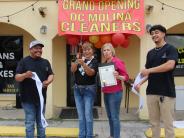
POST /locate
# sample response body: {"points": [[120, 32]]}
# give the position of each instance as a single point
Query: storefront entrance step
{"points": [[14, 131], [179, 133], [71, 113]]}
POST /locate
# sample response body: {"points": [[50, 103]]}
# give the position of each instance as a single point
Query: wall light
{"points": [[42, 11], [43, 29], [149, 9]]}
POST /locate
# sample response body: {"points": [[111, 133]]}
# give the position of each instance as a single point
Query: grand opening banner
{"points": [[92, 17]]}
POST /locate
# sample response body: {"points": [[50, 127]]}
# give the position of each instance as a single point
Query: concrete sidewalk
{"points": [[129, 129], [131, 126], [13, 113]]}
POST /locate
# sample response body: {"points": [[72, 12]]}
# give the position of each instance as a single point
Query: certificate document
{"points": [[106, 73]]}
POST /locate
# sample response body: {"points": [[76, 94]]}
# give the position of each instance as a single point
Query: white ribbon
{"points": [[39, 86], [138, 79]]}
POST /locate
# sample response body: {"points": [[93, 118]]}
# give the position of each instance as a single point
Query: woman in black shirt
{"points": [[85, 69]]}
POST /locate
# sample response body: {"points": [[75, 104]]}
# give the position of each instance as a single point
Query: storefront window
{"points": [[11, 51], [178, 42]]}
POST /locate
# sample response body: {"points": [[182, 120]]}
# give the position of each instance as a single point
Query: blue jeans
{"points": [[84, 100], [32, 114], [112, 104]]}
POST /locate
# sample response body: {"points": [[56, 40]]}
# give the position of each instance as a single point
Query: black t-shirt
{"points": [[161, 83], [42, 67], [81, 78]]}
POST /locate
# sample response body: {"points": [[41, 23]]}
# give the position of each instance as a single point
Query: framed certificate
{"points": [[106, 73]]}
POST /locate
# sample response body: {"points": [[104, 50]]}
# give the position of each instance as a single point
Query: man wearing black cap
{"points": [[160, 64], [29, 92]]}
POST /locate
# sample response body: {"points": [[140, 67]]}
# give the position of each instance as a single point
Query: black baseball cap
{"points": [[158, 27]]}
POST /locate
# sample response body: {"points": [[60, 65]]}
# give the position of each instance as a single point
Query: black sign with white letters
{"points": [[178, 42], [11, 51]]}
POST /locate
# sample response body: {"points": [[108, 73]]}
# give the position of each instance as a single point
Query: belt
{"points": [[84, 86]]}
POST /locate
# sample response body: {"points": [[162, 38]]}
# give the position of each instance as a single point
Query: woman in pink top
{"points": [[113, 94]]}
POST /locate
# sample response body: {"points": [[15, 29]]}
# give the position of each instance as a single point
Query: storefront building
{"points": [[21, 21]]}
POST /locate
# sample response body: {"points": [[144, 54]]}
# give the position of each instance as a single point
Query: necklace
{"points": [[158, 48]]}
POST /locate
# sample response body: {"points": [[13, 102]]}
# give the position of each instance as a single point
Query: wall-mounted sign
{"points": [[11, 51], [89, 17], [178, 42]]}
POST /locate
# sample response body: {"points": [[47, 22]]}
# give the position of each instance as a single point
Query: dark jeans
{"points": [[84, 99], [112, 104], [32, 114]]}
